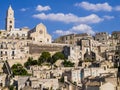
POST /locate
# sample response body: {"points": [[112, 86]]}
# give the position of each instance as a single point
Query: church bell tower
{"points": [[9, 19]]}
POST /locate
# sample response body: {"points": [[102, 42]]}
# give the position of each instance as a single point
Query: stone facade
{"points": [[100, 47], [39, 34], [10, 19], [72, 38], [15, 42], [102, 37], [76, 76], [17, 49]]}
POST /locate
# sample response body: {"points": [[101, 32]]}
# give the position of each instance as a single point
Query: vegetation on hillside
{"points": [[18, 69], [45, 57], [68, 64], [30, 62]]}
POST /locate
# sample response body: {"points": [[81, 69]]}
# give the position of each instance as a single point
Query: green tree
{"points": [[18, 69], [11, 87], [30, 62], [44, 57], [34, 62], [50, 60], [57, 56], [68, 64]]}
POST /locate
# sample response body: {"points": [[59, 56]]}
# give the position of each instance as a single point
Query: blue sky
{"points": [[65, 16]]}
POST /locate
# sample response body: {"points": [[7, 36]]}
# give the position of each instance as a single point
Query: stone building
{"points": [[87, 50], [39, 34], [102, 37], [66, 39], [10, 19], [116, 35], [76, 76], [101, 83], [10, 31], [44, 83], [3, 80], [15, 42], [72, 38], [75, 54], [16, 49]]}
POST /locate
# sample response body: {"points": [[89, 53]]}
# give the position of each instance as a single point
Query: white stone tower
{"points": [[10, 19]]}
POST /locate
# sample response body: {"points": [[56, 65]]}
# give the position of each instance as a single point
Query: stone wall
{"points": [[39, 48], [15, 61]]}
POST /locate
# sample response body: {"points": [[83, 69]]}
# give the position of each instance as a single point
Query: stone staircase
{"points": [[9, 72]]}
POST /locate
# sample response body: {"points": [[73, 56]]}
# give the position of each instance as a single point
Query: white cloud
{"points": [[43, 8], [23, 9], [117, 8], [62, 32], [69, 18], [108, 17], [95, 7], [82, 28]]}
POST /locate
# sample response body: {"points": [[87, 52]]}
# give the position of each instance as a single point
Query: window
{"points": [[10, 21], [13, 53], [72, 48], [27, 52], [12, 57], [1, 46], [17, 35], [5, 52], [47, 40], [20, 57], [27, 44], [1, 53], [33, 38], [71, 37], [66, 38], [23, 35], [1, 84], [10, 26]]}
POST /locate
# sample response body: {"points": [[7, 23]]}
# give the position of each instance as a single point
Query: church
{"points": [[37, 34]]}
